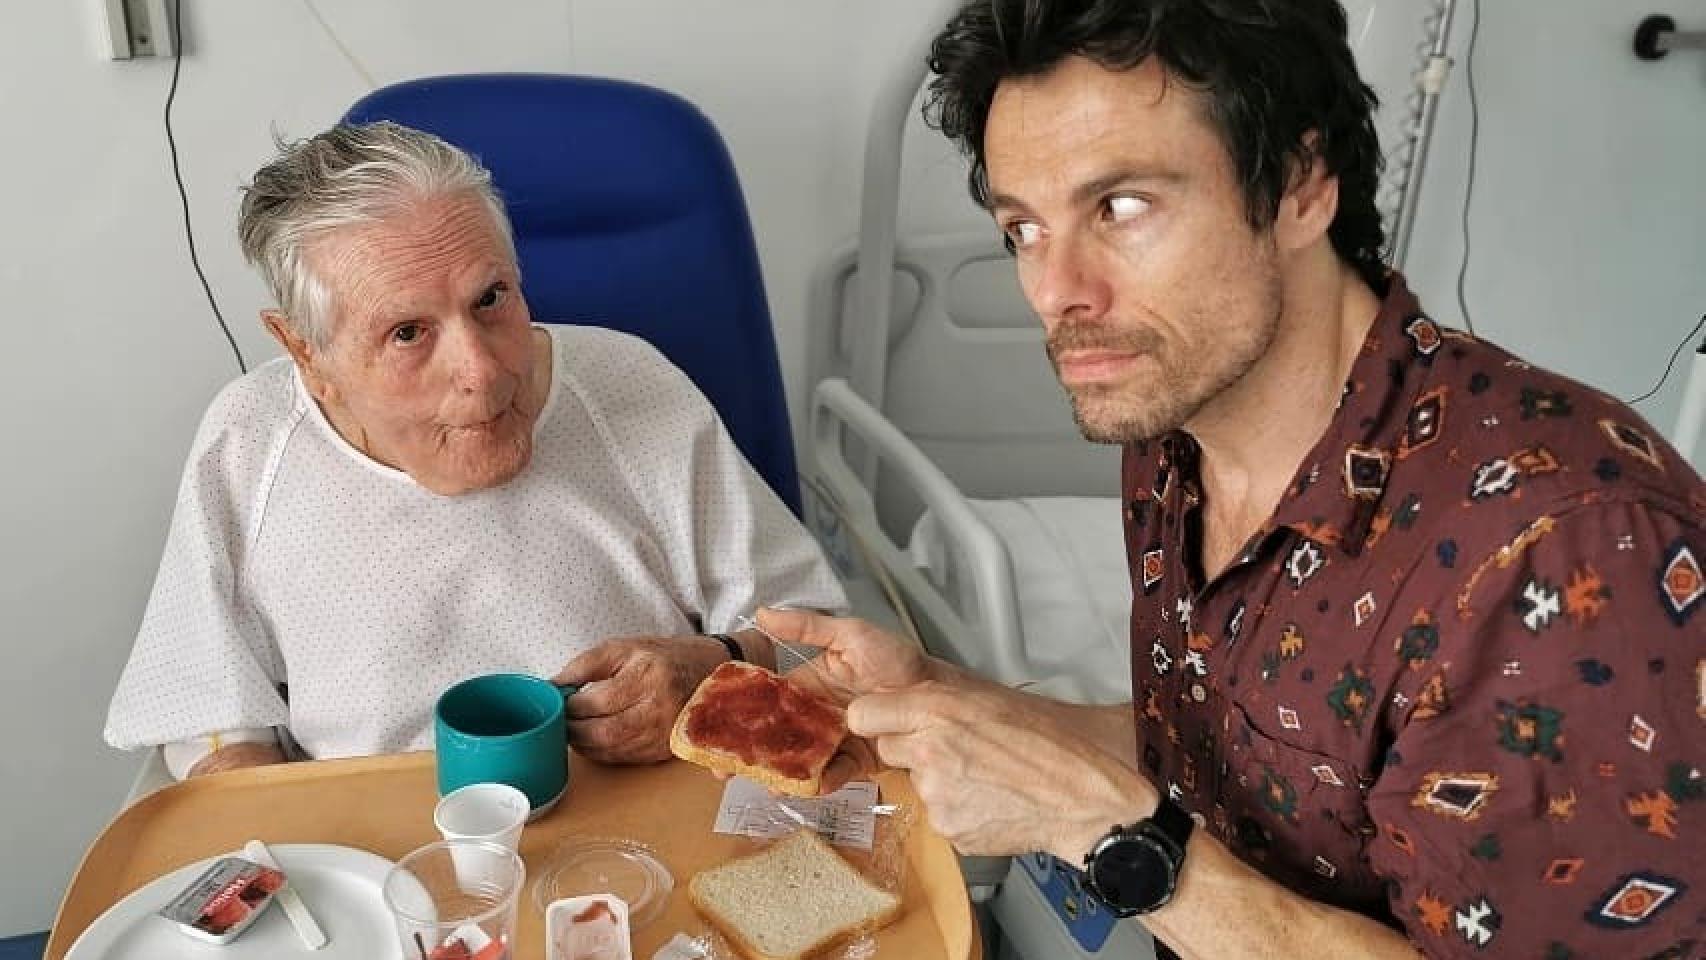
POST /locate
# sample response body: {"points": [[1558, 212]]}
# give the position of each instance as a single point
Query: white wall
{"points": [[1588, 225], [1588, 229]]}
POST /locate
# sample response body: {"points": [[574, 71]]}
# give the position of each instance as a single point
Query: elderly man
{"points": [[431, 487], [1416, 635]]}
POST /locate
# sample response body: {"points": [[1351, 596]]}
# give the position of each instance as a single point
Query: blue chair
{"points": [[27, 947], [627, 214]]}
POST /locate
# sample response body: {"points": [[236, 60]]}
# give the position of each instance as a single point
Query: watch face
{"points": [[1134, 873]]}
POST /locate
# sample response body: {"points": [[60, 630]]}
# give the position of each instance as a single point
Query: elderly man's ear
{"points": [[300, 350]]}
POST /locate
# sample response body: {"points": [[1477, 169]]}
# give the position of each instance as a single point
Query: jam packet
{"points": [[588, 928], [224, 900]]}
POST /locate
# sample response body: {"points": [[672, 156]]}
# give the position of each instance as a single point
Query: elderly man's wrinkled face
{"points": [[433, 366]]}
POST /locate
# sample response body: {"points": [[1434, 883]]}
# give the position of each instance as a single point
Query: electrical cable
{"points": [[1474, 146], [1669, 365], [183, 194]]}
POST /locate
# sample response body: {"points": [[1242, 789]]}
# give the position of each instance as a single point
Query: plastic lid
{"points": [[628, 869]]}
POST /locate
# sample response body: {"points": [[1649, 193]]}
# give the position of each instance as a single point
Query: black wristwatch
{"points": [[1135, 869], [729, 644]]}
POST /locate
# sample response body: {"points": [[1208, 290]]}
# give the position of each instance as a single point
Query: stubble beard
{"points": [[1176, 382]]}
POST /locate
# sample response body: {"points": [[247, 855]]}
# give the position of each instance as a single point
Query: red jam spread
{"points": [[599, 910], [753, 714]]}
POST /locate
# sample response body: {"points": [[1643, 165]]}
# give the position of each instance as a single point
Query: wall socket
{"points": [[140, 28]]}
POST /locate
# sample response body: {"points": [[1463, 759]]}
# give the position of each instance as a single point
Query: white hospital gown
{"points": [[293, 559]]}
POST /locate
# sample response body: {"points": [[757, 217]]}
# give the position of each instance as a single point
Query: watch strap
{"points": [[1172, 820], [729, 643]]}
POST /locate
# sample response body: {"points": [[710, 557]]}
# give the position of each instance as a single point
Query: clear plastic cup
{"points": [[456, 899]]}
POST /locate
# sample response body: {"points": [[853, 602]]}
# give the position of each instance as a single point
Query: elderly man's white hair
{"points": [[351, 174]]}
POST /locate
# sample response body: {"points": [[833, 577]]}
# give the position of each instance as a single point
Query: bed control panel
{"points": [[1062, 887]]}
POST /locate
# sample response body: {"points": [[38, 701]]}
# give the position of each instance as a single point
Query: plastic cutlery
{"points": [[312, 936]]}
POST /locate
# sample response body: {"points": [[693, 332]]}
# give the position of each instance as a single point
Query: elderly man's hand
{"points": [[237, 756], [632, 690], [996, 774]]}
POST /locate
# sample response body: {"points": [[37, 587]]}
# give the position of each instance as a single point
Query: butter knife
{"points": [[312, 936]]}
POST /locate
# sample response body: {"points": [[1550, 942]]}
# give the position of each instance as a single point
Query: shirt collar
{"points": [[1338, 488]]}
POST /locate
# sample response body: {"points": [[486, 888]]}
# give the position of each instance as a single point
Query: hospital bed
{"points": [[1026, 590], [944, 461], [944, 470]]}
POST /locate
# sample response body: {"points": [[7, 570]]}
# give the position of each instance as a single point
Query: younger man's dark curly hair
{"points": [[1270, 72]]}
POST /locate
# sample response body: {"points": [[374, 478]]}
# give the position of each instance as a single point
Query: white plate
{"points": [[341, 885]]}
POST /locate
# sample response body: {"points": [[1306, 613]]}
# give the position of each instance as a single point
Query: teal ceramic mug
{"points": [[504, 728]]}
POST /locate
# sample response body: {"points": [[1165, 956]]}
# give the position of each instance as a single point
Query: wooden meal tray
{"points": [[385, 804]]}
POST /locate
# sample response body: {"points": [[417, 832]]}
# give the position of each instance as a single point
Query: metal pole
{"points": [[1657, 36], [1695, 40], [1432, 81]]}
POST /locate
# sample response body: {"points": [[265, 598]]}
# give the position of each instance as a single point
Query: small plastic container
{"points": [[593, 927], [629, 870], [224, 900]]}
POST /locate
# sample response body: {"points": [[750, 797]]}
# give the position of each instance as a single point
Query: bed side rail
{"points": [[986, 621]]}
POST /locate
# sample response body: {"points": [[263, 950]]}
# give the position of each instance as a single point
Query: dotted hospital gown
{"points": [[294, 560]]}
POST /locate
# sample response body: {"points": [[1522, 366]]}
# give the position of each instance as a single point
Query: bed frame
{"points": [[969, 409]]}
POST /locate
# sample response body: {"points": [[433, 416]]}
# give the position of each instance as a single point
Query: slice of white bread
{"points": [[818, 740], [791, 900]]}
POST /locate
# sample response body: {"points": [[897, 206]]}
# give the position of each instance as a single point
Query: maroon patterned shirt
{"points": [[1458, 681]]}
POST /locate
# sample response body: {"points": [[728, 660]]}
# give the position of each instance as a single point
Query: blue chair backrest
{"points": [[627, 214]]}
